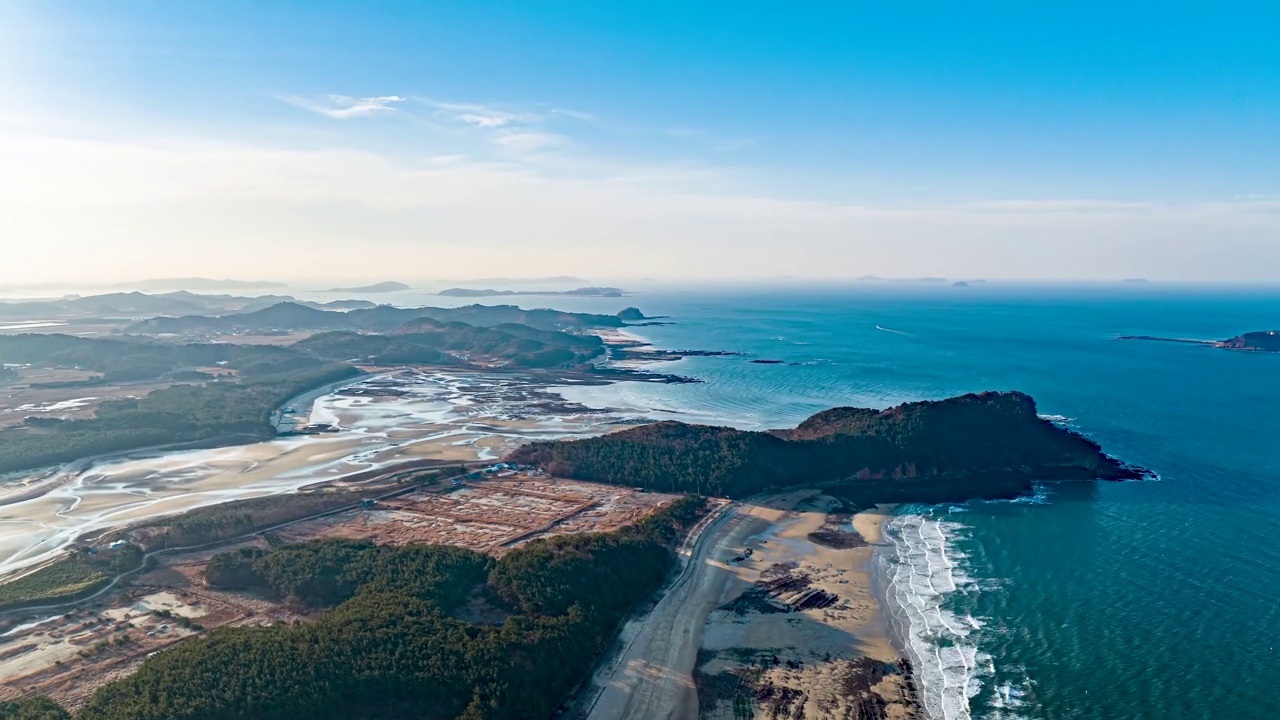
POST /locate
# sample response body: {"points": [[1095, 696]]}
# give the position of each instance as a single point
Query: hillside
{"points": [[382, 287], [253, 379], [996, 434], [393, 640], [139, 359], [1263, 341], [426, 341], [139, 304], [383, 318]]}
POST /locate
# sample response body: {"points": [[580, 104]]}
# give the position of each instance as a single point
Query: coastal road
{"points": [[652, 678]]}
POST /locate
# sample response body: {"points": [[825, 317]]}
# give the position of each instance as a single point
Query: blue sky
{"points": [[1148, 134]]}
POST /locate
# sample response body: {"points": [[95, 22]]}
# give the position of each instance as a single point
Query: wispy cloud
{"points": [[482, 116], [342, 107], [531, 141], [575, 114], [233, 203]]}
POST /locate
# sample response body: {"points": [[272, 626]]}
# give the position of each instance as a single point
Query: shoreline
{"points": [[763, 616], [441, 414]]}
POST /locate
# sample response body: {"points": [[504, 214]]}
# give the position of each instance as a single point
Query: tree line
{"points": [[987, 433], [394, 643]]}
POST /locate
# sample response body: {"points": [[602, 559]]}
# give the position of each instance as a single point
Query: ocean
{"points": [[1151, 599]]}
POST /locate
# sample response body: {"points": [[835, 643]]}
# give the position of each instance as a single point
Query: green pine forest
{"points": [[393, 641]]}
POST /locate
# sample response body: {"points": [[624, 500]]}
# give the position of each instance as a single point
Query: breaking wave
{"points": [[925, 569]]}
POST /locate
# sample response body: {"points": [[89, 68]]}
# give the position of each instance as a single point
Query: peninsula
{"points": [[1259, 341], [542, 579], [990, 444]]}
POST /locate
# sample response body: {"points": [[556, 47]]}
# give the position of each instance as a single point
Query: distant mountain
{"points": [[132, 303], [579, 292], [381, 318], [877, 278], [382, 287], [197, 283], [342, 305], [554, 280], [137, 304]]}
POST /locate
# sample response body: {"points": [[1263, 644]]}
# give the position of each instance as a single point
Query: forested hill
{"points": [[1262, 341], [962, 437], [383, 318], [396, 643], [234, 388]]}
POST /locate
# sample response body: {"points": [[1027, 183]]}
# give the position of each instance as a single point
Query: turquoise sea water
{"points": [[1152, 599]]}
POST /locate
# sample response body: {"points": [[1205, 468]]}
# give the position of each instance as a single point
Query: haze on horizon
{"points": [[302, 141]]}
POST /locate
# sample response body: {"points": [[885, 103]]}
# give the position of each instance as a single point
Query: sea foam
{"points": [[926, 568]]}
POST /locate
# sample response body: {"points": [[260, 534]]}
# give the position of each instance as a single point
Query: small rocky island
{"points": [[986, 445]]}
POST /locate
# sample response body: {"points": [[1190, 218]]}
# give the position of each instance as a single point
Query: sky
{"points": [[674, 140]]}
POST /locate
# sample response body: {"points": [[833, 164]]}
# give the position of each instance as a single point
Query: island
{"points": [[608, 292], [382, 287]]}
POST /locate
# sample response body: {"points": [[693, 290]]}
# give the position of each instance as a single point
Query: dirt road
{"points": [[652, 679]]}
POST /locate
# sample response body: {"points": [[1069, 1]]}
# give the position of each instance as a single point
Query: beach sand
{"points": [[721, 644], [805, 638]]}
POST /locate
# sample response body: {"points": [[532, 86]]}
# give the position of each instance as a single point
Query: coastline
{"points": [[446, 415], [763, 617], [812, 614]]}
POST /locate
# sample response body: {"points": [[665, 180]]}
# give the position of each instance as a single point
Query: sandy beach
{"points": [[763, 622]]}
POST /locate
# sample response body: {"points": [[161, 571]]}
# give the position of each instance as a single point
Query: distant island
{"points": [[382, 287], [490, 292], [139, 304], [1259, 341], [552, 280], [991, 444], [877, 279]]}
